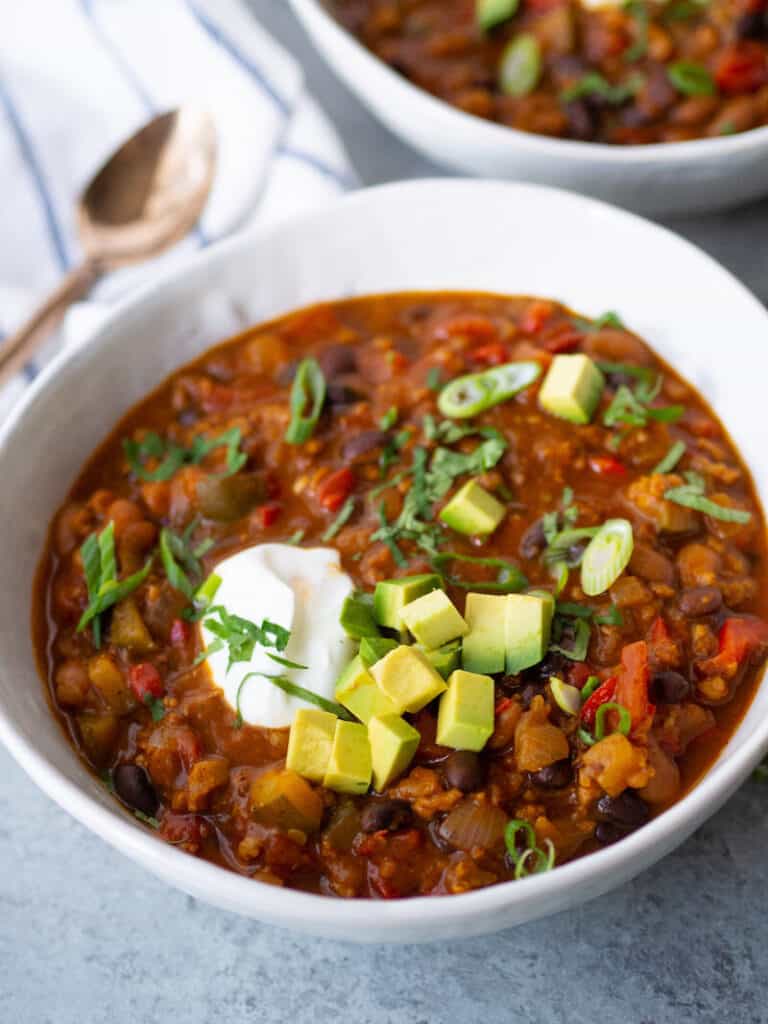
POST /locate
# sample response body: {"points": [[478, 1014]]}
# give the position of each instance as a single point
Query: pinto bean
{"points": [[696, 601], [650, 564]]}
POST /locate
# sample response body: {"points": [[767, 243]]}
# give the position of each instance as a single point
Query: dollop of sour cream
{"points": [[302, 590]]}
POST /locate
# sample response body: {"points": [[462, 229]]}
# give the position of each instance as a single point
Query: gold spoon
{"points": [[146, 197]]}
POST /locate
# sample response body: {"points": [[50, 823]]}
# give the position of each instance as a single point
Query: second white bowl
{"points": [[663, 179]]}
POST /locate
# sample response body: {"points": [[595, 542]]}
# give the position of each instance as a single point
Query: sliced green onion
{"points": [[612, 617], [671, 459], [307, 398], [489, 13], [520, 66], [691, 79], [567, 697], [607, 556], [625, 719], [466, 396], [434, 379], [296, 538], [389, 419], [543, 862], [595, 84], [589, 687], [510, 834]]}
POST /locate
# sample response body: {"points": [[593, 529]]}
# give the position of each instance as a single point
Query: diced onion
{"points": [[567, 698], [606, 556], [474, 823]]}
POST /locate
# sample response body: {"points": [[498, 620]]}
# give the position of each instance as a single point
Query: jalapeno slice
{"points": [[469, 395]]}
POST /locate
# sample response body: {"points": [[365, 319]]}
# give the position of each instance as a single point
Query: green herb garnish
{"points": [[671, 459], [293, 690], [489, 13], [297, 537], [595, 84], [638, 11], [173, 456], [182, 561], [691, 495], [389, 419], [577, 631], [100, 568], [509, 579], [691, 79], [156, 707], [307, 399], [347, 510], [240, 636], [434, 379]]}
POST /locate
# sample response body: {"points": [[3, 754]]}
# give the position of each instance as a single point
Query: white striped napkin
{"points": [[79, 76]]}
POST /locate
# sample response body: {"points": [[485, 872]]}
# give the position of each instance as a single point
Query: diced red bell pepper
{"points": [[397, 361], [536, 316], [738, 641], [742, 67], [145, 681], [490, 355], [181, 633], [267, 515], [564, 338], [607, 465], [335, 489], [602, 695], [632, 681]]}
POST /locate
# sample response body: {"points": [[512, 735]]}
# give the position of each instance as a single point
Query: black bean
{"points": [[386, 815], [364, 442], [533, 541], [583, 122], [554, 776], [529, 692], [133, 786], [669, 688], [463, 770], [697, 601], [627, 810], [752, 25], [607, 834], [337, 359], [339, 393], [619, 380]]}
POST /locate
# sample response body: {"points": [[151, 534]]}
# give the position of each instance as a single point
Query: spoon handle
{"points": [[18, 348]]}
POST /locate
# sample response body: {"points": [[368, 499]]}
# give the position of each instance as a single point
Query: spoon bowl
{"points": [[145, 198], [151, 192]]}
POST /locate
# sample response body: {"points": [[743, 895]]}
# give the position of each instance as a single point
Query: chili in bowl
{"points": [[418, 594], [660, 107]]}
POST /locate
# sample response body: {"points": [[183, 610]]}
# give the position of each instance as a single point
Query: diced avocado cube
{"points": [[373, 648], [357, 617], [528, 627], [444, 659], [407, 678], [349, 766], [572, 388], [391, 596], [472, 510], [433, 619], [483, 649], [310, 742], [356, 689], [393, 744], [466, 715]]}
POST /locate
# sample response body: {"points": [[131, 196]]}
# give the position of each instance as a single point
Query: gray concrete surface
{"points": [[87, 938]]}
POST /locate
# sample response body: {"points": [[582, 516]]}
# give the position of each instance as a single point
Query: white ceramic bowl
{"points": [[663, 179], [422, 235]]}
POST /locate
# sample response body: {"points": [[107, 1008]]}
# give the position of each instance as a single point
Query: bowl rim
{"points": [[503, 135], [308, 911]]}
